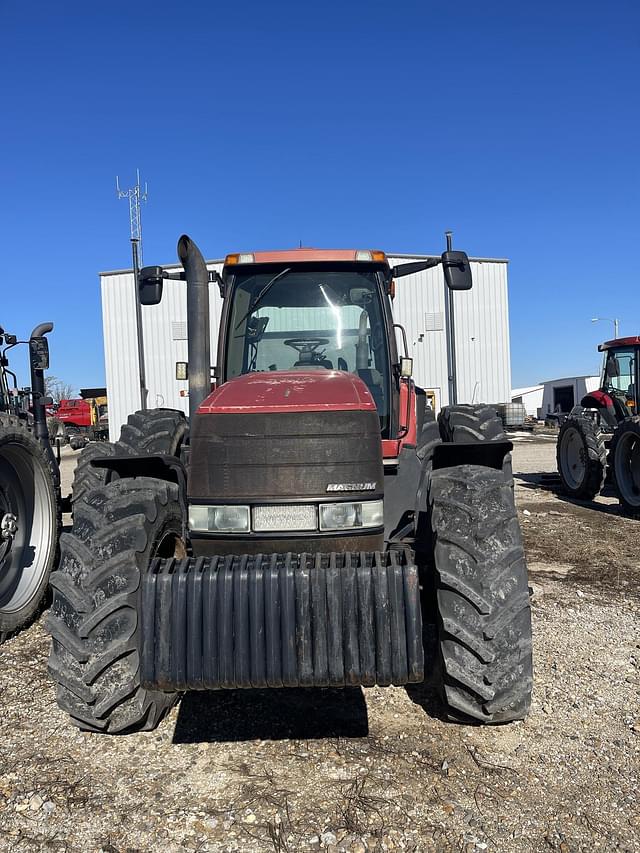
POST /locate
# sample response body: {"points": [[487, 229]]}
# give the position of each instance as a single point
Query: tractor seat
{"points": [[306, 361]]}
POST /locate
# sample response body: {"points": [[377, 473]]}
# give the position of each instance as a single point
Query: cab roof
{"points": [[306, 254], [633, 341]]}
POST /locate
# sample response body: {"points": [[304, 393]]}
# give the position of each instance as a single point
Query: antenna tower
{"points": [[136, 195]]}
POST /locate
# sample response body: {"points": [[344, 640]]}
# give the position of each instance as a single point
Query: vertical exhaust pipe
{"points": [[198, 322], [38, 394]]}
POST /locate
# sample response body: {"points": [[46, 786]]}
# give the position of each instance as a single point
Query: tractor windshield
{"points": [[619, 371], [310, 319]]}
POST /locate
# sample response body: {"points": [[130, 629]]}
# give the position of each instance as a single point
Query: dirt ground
{"points": [[370, 770]]}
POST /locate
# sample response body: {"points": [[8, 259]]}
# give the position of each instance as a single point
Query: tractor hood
{"points": [[290, 391]]}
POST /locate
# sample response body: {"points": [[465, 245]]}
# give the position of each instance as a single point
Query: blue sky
{"points": [[257, 125]]}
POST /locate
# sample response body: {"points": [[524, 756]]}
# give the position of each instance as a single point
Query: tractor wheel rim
{"points": [[572, 458], [627, 468], [25, 493]]}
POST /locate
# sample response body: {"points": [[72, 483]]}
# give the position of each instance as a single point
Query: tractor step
{"points": [[281, 620]]}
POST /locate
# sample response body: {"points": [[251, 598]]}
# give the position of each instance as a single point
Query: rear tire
{"points": [[581, 457], [466, 424], [95, 616], [154, 432], [484, 617], [86, 477], [29, 525], [625, 456]]}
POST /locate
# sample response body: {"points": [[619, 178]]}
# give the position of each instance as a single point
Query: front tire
{"points": [[29, 525], [581, 457], [95, 616], [482, 595]]}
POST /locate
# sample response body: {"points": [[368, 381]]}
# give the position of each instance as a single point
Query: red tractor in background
{"points": [[296, 528], [601, 436]]}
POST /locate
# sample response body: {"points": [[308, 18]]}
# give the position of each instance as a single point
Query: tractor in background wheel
{"points": [[30, 504], [598, 438], [283, 539]]}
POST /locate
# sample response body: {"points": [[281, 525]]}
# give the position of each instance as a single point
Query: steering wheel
{"points": [[306, 346]]}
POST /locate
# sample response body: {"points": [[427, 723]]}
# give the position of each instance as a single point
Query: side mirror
{"points": [[457, 271], [11, 340], [406, 367], [150, 283], [39, 353]]}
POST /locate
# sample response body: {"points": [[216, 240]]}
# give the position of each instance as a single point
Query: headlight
{"points": [[219, 519], [345, 516]]}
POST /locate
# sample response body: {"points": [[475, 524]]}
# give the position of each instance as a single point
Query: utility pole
{"points": [[136, 195], [614, 320], [450, 326]]}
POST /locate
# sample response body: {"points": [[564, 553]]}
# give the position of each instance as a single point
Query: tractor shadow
{"points": [[282, 714], [427, 693], [303, 713], [550, 482]]}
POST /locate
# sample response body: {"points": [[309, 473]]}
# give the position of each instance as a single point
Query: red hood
{"points": [[290, 391]]}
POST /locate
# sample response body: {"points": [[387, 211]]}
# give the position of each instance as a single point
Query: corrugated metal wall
{"points": [[482, 337]]}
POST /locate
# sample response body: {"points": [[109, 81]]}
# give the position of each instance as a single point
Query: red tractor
{"points": [[283, 536], [602, 434]]}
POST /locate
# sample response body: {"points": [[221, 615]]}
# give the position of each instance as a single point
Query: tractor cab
{"points": [[309, 310], [620, 374]]}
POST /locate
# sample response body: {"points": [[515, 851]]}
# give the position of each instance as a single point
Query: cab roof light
{"points": [[368, 255], [243, 258]]}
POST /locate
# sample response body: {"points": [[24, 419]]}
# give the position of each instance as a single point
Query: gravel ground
{"points": [[365, 770]]}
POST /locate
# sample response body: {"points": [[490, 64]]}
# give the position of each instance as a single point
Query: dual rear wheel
{"points": [[469, 529]]}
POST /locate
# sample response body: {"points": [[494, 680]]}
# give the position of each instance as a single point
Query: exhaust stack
{"points": [[198, 322], [38, 363]]}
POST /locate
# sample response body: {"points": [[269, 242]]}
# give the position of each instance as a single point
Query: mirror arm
{"points": [[417, 266], [214, 276]]}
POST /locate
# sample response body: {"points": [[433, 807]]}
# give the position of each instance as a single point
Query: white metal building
{"points": [[482, 336], [531, 399], [561, 395]]}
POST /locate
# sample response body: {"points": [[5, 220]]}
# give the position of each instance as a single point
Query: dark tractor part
{"points": [[581, 456], [462, 434], [625, 453], [284, 620], [86, 477], [198, 322], [29, 524], [469, 424], [255, 458], [94, 619], [153, 432], [78, 442], [484, 618]]}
